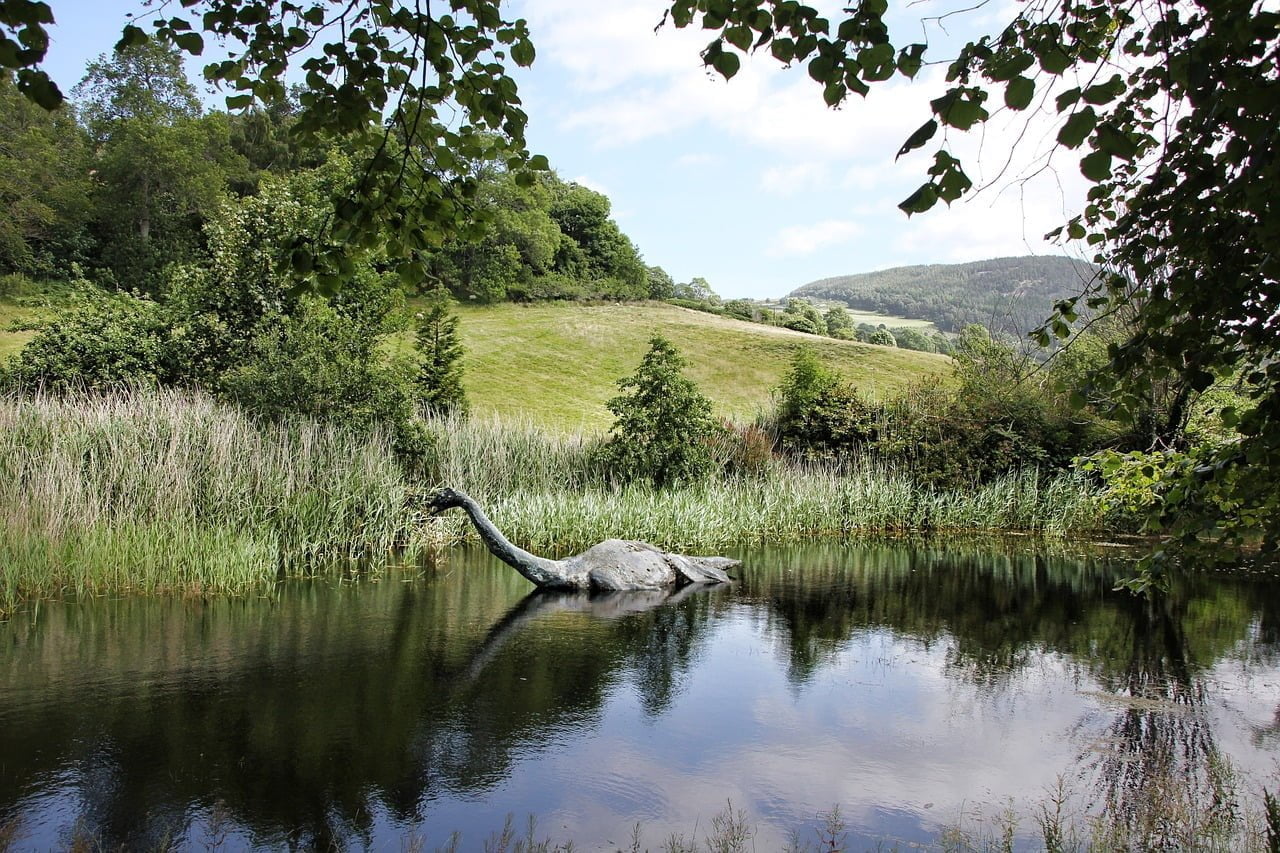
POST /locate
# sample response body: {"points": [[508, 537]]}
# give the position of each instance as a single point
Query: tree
{"points": [[438, 382], [160, 166], [820, 416], [883, 337], [410, 92], [661, 284], [839, 323], [662, 423], [44, 184], [1182, 215], [594, 249]]}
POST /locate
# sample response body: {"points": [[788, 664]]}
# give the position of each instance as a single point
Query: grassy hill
{"points": [[1013, 295], [558, 363]]}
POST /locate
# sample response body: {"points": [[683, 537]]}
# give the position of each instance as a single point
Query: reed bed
{"points": [[162, 491], [802, 505]]}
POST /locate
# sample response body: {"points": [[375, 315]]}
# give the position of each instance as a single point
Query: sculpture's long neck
{"points": [[542, 572]]}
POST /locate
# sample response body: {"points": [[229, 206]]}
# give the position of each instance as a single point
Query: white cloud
{"points": [[689, 161], [793, 178], [806, 239]]}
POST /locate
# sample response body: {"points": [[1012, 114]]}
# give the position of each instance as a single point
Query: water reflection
{"points": [[883, 678]]}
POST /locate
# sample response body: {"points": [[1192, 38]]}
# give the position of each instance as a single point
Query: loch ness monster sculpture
{"points": [[614, 564]]}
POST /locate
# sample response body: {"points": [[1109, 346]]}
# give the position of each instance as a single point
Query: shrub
{"points": [[109, 341], [663, 423], [320, 363], [819, 415], [438, 381]]}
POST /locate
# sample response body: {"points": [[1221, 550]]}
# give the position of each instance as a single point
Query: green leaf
{"points": [[523, 53], [130, 36], [37, 86], [740, 37], [922, 135], [1077, 128], [192, 43], [910, 58], [539, 163], [1068, 99], [727, 64], [1019, 92], [237, 102], [920, 200], [958, 111], [1054, 59], [1096, 166]]}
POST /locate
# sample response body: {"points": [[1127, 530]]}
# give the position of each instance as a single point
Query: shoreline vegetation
{"points": [[172, 492]]}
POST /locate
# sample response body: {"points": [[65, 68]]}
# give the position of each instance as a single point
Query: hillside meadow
{"points": [[558, 363]]}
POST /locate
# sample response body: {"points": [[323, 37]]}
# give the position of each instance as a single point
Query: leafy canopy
{"points": [[1175, 119], [418, 91]]}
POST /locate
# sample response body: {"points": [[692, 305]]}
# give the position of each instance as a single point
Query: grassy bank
{"points": [[169, 492]]}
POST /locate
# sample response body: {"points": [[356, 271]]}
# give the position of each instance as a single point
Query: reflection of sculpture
{"points": [[614, 564]]}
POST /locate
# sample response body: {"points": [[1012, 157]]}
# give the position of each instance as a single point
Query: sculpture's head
{"points": [[444, 499]]}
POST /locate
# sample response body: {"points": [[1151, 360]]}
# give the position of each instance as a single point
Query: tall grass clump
{"points": [[550, 493], [161, 490]]}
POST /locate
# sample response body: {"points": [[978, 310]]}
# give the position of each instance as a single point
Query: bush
{"points": [[819, 415], [108, 342], [663, 423], [320, 363]]}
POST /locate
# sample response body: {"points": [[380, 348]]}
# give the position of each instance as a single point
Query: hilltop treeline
{"points": [[123, 183], [1009, 295]]}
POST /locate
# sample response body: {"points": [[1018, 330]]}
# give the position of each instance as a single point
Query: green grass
{"points": [[165, 492], [170, 492], [557, 364]]}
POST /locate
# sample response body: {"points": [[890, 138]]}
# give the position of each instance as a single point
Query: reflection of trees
{"points": [[997, 612], [297, 717], [304, 715]]}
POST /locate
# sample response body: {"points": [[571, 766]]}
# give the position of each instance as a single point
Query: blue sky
{"points": [[753, 183]]}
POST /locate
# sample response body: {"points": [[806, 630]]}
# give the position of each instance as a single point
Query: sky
{"points": [[753, 184]]}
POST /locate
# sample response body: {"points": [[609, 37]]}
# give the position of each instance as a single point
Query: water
{"points": [[910, 685]]}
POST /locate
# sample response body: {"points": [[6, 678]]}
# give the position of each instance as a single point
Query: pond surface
{"points": [[908, 684]]}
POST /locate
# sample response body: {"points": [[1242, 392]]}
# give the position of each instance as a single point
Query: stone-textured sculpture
{"points": [[614, 564]]}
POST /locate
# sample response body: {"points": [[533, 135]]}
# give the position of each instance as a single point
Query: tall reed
{"points": [[167, 491], [547, 493]]}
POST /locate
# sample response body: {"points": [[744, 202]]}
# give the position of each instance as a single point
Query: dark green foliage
{"points": [[839, 324], [1013, 295], [594, 249], [662, 425], [661, 284], [108, 342], [44, 186], [438, 381], [992, 419], [1181, 216], [883, 337], [160, 167], [820, 416], [320, 363]]}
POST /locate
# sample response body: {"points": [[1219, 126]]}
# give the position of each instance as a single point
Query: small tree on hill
{"points": [[883, 337], [662, 424], [438, 383]]}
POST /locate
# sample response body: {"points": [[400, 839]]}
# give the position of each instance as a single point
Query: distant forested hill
{"points": [[1013, 295]]}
